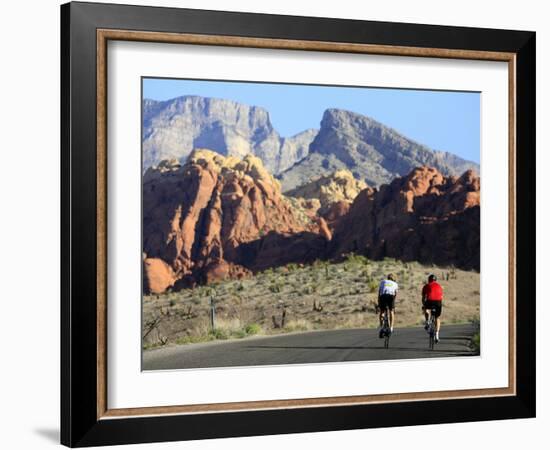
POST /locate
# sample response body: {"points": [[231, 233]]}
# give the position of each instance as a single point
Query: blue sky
{"points": [[442, 120]]}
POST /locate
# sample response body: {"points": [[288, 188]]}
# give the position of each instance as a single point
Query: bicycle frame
{"points": [[432, 328], [386, 327]]}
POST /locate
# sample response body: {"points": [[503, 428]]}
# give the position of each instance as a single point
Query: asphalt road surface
{"points": [[312, 347]]}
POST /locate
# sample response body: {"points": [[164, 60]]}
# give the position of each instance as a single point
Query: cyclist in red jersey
{"points": [[432, 298]]}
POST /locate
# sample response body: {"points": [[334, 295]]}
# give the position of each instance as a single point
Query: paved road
{"points": [[312, 347]]}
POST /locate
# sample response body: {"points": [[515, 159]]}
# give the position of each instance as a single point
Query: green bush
{"points": [[373, 286], [252, 328], [239, 334], [194, 339], [292, 267], [307, 290], [475, 343], [219, 334], [357, 259]]}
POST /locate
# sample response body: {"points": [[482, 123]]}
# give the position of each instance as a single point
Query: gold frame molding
{"points": [[105, 35]]}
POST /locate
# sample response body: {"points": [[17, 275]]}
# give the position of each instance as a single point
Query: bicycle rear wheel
{"points": [[387, 340], [432, 329]]}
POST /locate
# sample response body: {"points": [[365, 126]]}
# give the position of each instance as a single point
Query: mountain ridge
{"points": [[171, 129], [372, 151]]}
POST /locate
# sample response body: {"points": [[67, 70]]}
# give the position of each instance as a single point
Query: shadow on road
{"points": [[402, 349]]}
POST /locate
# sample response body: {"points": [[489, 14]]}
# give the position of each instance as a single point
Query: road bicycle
{"points": [[432, 328], [386, 330]]}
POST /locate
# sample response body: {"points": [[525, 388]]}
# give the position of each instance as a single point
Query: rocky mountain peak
{"points": [[373, 152], [173, 128]]}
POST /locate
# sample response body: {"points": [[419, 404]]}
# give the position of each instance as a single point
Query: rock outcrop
{"points": [[206, 220], [173, 128], [218, 217], [424, 217], [373, 152], [340, 186], [157, 276]]}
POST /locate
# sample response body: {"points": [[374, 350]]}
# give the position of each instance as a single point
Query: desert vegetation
{"points": [[299, 298]]}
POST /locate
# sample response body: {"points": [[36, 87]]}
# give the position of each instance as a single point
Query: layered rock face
{"points": [[198, 216], [425, 217], [328, 197], [219, 217], [340, 186], [372, 151], [173, 128]]}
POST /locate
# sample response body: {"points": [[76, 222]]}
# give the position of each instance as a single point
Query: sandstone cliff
{"points": [[340, 186], [197, 216], [423, 217], [219, 217]]}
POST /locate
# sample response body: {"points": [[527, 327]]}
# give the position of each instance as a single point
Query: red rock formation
{"points": [[220, 217], [197, 217], [157, 275], [422, 217]]}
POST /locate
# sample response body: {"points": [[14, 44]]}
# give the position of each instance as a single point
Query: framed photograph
{"points": [[278, 224]]}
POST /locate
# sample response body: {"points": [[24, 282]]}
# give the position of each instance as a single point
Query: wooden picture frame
{"points": [[86, 418]]}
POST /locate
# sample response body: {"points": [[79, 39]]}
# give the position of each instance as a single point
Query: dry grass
{"points": [[320, 296]]}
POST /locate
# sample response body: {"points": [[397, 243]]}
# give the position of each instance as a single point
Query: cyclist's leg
{"points": [[381, 331], [426, 312], [381, 314], [437, 313], [438, 319], [391, 310], [382, 308]]}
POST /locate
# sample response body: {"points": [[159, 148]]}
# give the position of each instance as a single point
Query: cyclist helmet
{"points": [[432, 277], [391, 277]]}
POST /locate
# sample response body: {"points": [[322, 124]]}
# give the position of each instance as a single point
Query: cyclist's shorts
{"points": [[386, 301], [432, 304]]}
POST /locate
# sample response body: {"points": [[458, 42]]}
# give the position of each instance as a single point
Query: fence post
{"points": [[212, 313]]}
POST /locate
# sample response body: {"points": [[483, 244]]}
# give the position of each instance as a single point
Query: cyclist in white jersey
{"points": [[387, 292]]}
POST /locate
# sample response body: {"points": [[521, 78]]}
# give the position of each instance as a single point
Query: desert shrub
{"points": [[298, 325], [239, 334], [194, 339], [373, 286], [307, 290], [354, 290], [292, 267], [357, 259], [253, 328], [475, 343], [219, 334]]}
